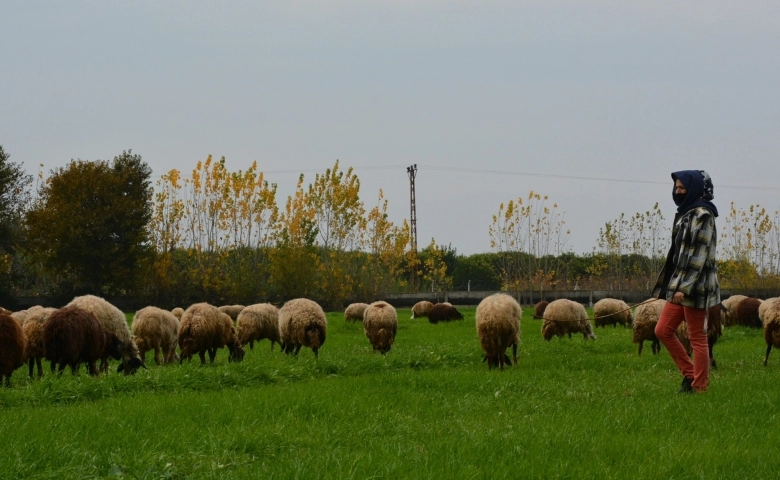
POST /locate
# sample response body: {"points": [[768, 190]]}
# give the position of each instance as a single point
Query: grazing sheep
{"points": [[498, 327], [5, 311], [302, 323], [540, 308], [12, 345], [20, 317], [257, 322], [714, 331], [232, 310], [354, 312], [611, 311], [770, 316], [380, 323], [730, 306], [645, 320], [115, 322], [177, 312], [156, 329], [746, 313], [765, 306], [72, 335], [564, 317], [443, 313], [33, 334], [421, 309], [203, 328]]}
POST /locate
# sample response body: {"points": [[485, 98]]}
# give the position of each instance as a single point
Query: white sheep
{"points": [[177, 312], [203, 328], [770, 317], [354, 312], [564, 317], [257, 322], [302, 323], [498, 326], [611, 311], [380, 324], [156, 329], [730, 305], [115, 322], [645, 319]]}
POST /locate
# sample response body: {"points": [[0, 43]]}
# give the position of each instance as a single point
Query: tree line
{"points": [[103, 227]]}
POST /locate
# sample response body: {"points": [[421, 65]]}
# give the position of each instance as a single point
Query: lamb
{"points": [[177, 312], [611, 311], [232, 310], [257, 322], [12, 344], [730, 306], [443, 313], [540, 308], [354, 312], [564, 317], [645, 320], [33, 333], [746, 313], [115, 322], [156, 329], [302, 323], [498, 326], [72, 335], [770, 316], [421, 309], [380, 323], [203, 328], [714, 331]]}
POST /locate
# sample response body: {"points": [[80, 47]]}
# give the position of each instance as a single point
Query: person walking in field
{"points": [[689, 278]]}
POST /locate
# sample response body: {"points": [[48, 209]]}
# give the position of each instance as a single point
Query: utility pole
{"points": [[412, 172]]}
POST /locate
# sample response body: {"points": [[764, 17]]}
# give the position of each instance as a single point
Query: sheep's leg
{"points": [[656, 347], [641, 344], [104, 365], [768, 349], [157, 358], [73, 368], [202, 355], [40, 367], [514, 353], [272, 345], [251, 345], [93, 368], [712, 359], [212, 354], [30, 363], [298, 349]]}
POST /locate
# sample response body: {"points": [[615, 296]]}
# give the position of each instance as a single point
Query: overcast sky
{"points": [[607, 89]]}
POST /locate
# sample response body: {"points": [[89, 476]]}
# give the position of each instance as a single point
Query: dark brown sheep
{"points": [[540, 308], [12, 345], [746, 313], [442, 312], [72, 336]]}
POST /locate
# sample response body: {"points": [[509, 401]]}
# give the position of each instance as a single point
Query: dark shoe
{"points": [[687, 385]]}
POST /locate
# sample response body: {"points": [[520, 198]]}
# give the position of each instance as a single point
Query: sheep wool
{"points": [[232, 310], [714, 331], [258, 322], [564, 317], [421, 309], [746, 313], [302, 323], [203, 328], [33, 334], [611, 311], [115, 322], [354, 312], [730, 305], [645, 319], [20, 317], [380, 324], [770, 315], [177, 312], [765, 305], [72, 335], [443, 312], [498, 326], [12, 344], [540, 308], [156, 329]]}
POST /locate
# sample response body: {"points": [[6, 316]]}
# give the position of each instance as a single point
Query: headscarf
{"points": [[699, 191]]}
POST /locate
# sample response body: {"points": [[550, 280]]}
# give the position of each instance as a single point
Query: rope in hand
{"points": [[603, 316]]}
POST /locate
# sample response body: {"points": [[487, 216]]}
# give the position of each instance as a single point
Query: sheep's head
{"points": [[316, 337], [236, 352], [113, 346], [188, 348], [131, 366], [384, 341]]}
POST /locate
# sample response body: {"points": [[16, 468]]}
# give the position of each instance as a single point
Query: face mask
{"points": [[679, 198]]}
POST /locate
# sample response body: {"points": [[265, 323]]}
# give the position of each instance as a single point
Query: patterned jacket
{"points": [[690, 265]]}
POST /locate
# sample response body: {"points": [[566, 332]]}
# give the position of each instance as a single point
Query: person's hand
{"points": [[678, 298]]}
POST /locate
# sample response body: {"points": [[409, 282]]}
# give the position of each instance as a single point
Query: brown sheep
{"points": [[232, 310], [33, 333], [12, 345], [354, 312], [421, 309], [177, 312], [770, 316], [540, 308], [156, 329], [302, 323], [442, 312], [714, 331], [746, 313], [72, 335], [564, 317], [203, 328], [645, 320], [380, 324], [611, 311], [498, 327], [258, 322], [730, 308]]}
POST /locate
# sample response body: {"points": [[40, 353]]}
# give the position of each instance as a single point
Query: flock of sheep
{"points": [[89, 329]]}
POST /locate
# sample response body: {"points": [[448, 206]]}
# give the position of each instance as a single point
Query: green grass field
{"points": [[429, 409]]}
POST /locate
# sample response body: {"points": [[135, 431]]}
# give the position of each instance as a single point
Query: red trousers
{"points": [[671, 318]]}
